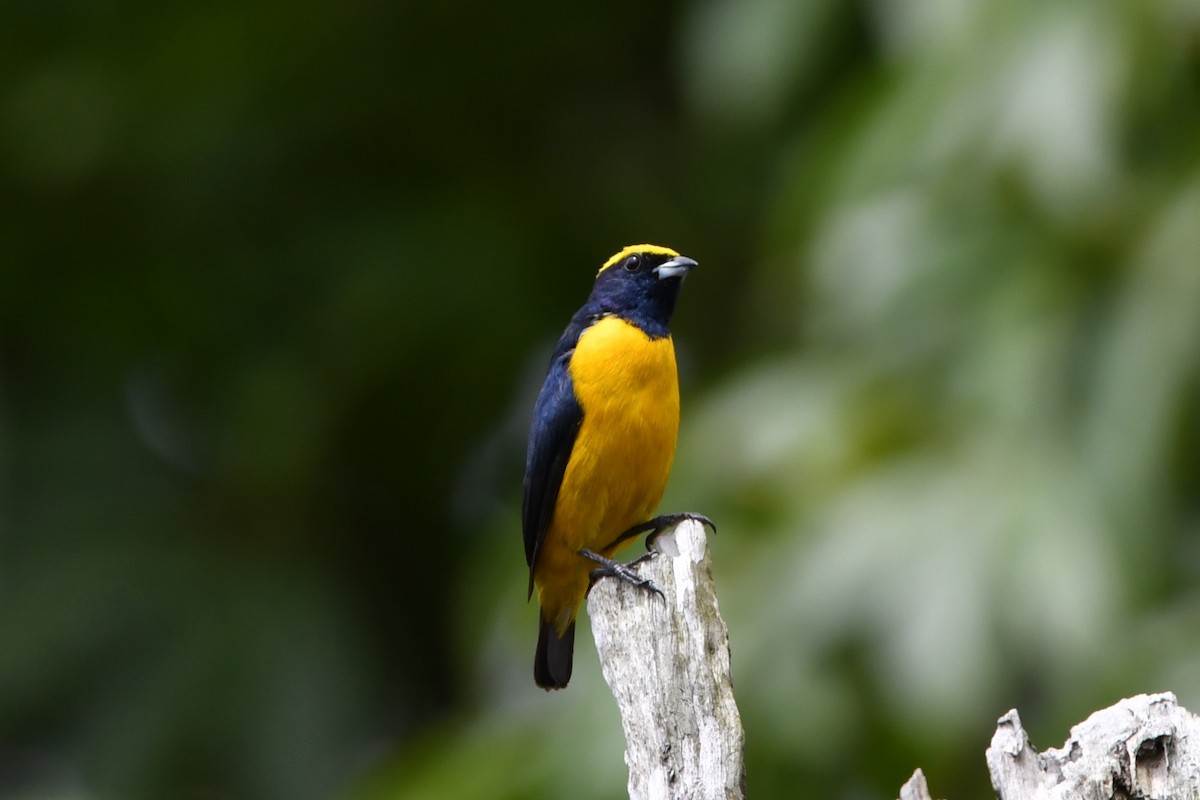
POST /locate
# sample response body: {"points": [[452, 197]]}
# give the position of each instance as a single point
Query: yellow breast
{"points": [[628, 387]]}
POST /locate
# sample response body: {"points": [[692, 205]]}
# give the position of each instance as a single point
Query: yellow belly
{"points": [[627, 385]]}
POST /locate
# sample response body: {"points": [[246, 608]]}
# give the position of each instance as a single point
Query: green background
{"points": [[278, 285]]}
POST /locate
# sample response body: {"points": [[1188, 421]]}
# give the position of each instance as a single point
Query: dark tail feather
{"points": [[552, 662]]}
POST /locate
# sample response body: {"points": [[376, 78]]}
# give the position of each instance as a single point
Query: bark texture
{"points": [[667, 662], [1143, 748], [916, 788]]}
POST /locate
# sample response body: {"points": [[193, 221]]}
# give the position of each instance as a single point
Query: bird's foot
{"points": [[615, 569], [659, 525]]}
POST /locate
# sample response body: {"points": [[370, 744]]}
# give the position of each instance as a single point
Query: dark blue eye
{"points": [[633, 263]]}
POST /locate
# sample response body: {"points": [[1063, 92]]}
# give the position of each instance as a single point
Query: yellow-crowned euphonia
{"points": [[601, 443]]}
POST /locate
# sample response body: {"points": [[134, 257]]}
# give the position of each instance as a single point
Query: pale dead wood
{"points": [[1146, 746], [667, 662], [915, 788]]}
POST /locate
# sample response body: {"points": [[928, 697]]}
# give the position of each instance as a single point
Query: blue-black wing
{"points": [[557, 416]]}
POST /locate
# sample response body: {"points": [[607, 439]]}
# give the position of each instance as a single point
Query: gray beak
{"points": [[675, 268]]}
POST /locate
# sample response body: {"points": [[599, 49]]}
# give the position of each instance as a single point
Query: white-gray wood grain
{"points": [[667, 662]]}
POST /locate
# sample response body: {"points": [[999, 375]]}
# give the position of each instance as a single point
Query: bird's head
{"points": [[641, 283]]}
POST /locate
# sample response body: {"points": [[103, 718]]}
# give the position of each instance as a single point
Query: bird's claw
{"points": [[659, 525], [615, 569], [666, 522]]}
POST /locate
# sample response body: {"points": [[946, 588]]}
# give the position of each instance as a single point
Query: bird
{"points": [[601, 444]]}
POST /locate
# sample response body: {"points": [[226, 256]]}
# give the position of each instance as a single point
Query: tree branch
{"points": [[667, 663], [1145, 746]]}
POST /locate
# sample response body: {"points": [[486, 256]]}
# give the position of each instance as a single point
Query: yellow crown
{"points": [[637, 248]]}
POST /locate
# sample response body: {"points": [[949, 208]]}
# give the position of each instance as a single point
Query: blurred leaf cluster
{"points": [[278, 286]]}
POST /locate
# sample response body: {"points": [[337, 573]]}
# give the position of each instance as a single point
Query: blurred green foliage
{"points": [[278, 285]]}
